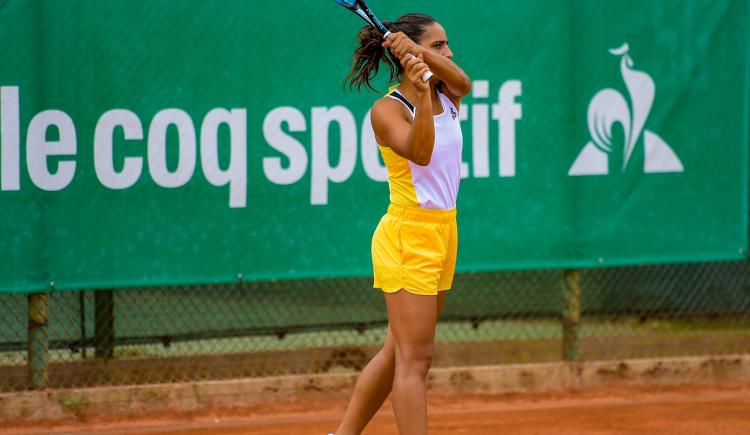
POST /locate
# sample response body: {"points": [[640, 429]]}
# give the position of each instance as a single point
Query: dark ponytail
{"points": [[370, 52]]}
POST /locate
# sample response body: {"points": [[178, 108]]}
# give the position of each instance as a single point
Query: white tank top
{"points": [[434, 186]]}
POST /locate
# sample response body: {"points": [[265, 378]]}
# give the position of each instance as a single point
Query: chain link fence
{"points": [[172, 334]]}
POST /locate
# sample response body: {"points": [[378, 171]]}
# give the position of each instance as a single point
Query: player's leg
{"points": [[372, 388], [374, 385], [412, 320]]}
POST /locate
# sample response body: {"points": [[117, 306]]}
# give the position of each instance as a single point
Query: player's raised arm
{"points": [[412, 139], [437, 55]]}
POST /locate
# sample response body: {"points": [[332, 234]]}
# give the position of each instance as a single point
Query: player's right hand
{"points": [[401, 45], [414, 68]]}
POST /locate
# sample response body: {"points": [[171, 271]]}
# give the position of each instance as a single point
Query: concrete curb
{"points": [[244, 393]]}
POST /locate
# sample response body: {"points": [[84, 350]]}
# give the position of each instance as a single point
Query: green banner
{"points": [[198, 141]]}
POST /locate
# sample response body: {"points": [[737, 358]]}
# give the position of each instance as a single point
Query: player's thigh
{"points": [[412, 320]]}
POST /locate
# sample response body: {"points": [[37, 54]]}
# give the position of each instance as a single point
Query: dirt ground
{"points": [[684, 410]]}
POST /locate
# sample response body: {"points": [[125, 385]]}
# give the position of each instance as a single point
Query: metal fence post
{"points": [[38, 340], [571, 315], [82, 321], [104, 324]]}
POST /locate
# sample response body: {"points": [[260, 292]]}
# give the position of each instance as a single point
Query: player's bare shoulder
{"points": [[390, 120], [387, 109]]}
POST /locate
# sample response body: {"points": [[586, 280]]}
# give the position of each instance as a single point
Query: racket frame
{"points": [[360, 8]]}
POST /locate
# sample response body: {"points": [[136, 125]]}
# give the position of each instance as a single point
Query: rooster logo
{"points": [[609, 107]]}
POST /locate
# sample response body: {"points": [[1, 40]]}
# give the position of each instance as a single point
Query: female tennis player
{"points": [[414, 246]]}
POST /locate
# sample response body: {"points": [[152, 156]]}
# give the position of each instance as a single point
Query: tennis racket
{"points": [[360, 8]]}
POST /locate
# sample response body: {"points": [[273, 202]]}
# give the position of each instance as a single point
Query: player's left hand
{"points": [[401, 45], [414, 68]]}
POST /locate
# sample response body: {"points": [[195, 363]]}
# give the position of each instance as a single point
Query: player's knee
{"points": [[416, 360]]}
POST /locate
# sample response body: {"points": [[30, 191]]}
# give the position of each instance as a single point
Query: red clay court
{"points": [[684, 410]]}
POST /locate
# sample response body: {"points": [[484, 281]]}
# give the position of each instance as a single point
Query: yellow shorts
{"points": [[415, 249]]}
